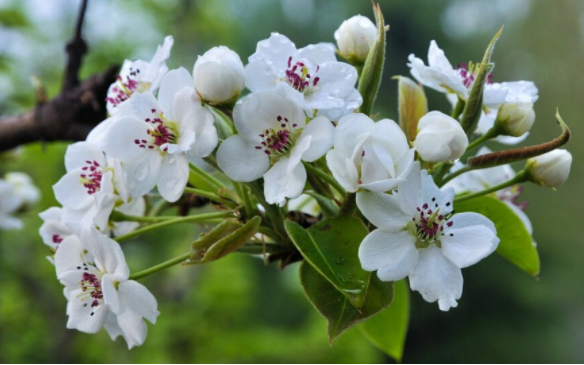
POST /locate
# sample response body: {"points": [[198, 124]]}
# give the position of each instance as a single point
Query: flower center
{"points": [[298, 76], [277, 141], [90, 287], [161, 134], [428, 224], [57, 239], [91, 178], [469, 73], [123, 89]]}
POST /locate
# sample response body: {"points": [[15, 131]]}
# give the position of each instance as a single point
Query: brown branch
{"points": [[71, 114]]}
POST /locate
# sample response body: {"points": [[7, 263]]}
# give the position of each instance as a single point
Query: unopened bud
{"points": [[551, 169], [355, 37], [219, 75], [516, 119]]}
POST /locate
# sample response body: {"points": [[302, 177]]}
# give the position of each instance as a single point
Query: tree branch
{"points": [[76, 48]]}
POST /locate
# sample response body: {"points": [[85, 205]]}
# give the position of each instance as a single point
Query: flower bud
{"points": [[517, 118], [551, 169], [219, 75], [355, 37], [440, 138]]}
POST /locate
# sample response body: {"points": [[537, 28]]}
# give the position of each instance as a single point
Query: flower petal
{"points": [[173, 177], [120, 139], [107, 253], [383, 210], [133, 328], [241, 161], [393, 255], [143, 173], [286, 179], [322, 132], [139, 300], [79, 153], [82, 316], [70, 192], [172, 84]]}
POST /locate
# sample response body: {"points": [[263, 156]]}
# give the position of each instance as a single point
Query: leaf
{"points": [[413, 105], [327, 206], [516, 243], [370, 78], [474, 104], [335, 307], [388, 330], [225, 238], [331, 247]]}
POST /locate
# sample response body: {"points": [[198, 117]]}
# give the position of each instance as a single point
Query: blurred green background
{"points": [[237, 309]]}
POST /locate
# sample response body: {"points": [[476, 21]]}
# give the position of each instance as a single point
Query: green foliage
{"points": [[331, 247], [335, 307], [327, 206], [412, 104], [370, 78], [222, 240], [516, 243], [388, 330]]}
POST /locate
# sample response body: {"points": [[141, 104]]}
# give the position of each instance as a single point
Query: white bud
{"points": [[440, 138], [219, 75], [551, 169], [355, 37], [516, 118]]}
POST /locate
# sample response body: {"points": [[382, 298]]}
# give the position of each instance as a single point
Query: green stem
{"points": [[169, 222], [521, 176], [455, 174], [208, 177], [491, 133], [272, 211], [458, 109], [244, 195], [441, 170], [324, 176], [158, 207], [258, 248], [161, 266], [118, 216], [212, 196]]}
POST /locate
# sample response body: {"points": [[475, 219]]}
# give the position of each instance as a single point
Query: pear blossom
{"points": [[95, 275], [9, 204], [440, 138], [478, 180], [219, 75], [311, 76], [155, 137], [355, 37], [516, 119], [369, 155], [139, 76], [551, 169], [273, 139], [93, 184], [23, 188], [419, 236], [53, 230]]}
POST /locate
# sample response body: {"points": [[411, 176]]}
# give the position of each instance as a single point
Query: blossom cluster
{"points": [[17, 193], [297, 123]]}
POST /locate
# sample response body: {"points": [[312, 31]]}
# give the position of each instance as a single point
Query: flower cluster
{"points": [[174, 135], [17, 193]]}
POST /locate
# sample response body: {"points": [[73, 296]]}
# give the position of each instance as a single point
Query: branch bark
{"points": [[72, 114]]}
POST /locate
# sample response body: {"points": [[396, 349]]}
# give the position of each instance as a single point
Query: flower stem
{"points": [[208, 177], [458, 109], [521, 176], [161, 266], [118, 216], [325, 177], [491, 133], [455, 174], [169, 222], [211, 196]]}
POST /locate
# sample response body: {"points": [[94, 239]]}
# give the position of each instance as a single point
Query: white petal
{"points": [[139, 300], [79, 153], [173, 177], [410, 193], [344, 173], [133, 328], [383, 210], [172, 83], [277, 49], [82, 316], [437, 279], [111, 326], [70, 192], [111, 297], [143, 174], [241, 161], [120, 139], [394, 255], [322, 132], [318, 53], [107, 253], [284, 180], [69, 255], [471, 238]]}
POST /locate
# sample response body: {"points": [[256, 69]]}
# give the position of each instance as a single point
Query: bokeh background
{"points": [[237, 309]]}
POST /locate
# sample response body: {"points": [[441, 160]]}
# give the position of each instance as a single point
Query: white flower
{"points": [[219, 75], [419, 236], [273, 139], [517, 119], [478, 180], [155, 138], [9, 203], [139, 76], [90, 188], [369, 155], [355, 37], [440, 138], [551, 169], [23, 188], [53, 230], [137, 208], [95, 274], [310, 76]]}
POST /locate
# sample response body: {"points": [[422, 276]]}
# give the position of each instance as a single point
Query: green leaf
{"points": [[327, 206], [335, 307], [331, 247], [370, 78], [516, 243], [225, 238], [388, 330], [474, 104], [413, 105]]}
